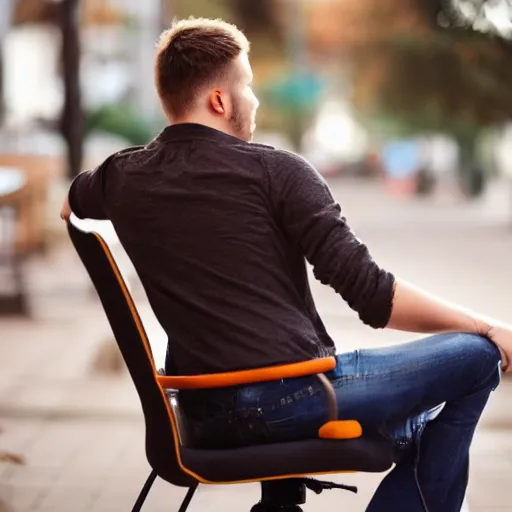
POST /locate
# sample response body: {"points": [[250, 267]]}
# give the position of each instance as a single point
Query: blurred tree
{"points": [[121, 118], [199, 8], [65, 14], [490, 16], [442, 77], [258, 18], [72, 120], [34, 11], [420, 70]]}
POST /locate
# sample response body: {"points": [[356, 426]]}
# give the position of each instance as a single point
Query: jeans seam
{"points": [[418, 436]]}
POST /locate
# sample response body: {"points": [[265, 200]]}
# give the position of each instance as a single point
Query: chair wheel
{"points": [[262, 507]]}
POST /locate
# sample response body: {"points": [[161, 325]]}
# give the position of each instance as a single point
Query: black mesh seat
{"points": [[297, 457], [166, 447]]}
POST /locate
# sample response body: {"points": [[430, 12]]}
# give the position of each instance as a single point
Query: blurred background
{"points": [[405, 106]]}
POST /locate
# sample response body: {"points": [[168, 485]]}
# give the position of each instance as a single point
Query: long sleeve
{"points": [[311, 218], [87, 194]]}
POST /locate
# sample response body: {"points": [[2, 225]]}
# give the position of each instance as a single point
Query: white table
{"points": [[11, 180]]}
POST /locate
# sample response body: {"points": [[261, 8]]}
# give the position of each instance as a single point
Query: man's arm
{"points": [[312, 218], [86, 197], [415, 310]]}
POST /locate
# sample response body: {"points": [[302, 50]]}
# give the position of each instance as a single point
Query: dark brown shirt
{"points": [[218, 230]]}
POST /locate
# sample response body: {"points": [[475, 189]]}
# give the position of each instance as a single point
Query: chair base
{"points": [[287, 495], [284, 493], [276, 496], [260, 507]]}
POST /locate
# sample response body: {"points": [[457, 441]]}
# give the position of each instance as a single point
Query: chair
{"points": [[281, 468]]}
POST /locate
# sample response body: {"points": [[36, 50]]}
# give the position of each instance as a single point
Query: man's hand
{"points": [[65, 212], [501, 335]]}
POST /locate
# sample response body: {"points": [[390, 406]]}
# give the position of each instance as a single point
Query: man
{"points": [[219, 228]]}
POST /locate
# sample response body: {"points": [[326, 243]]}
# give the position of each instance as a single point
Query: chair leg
{"points": [[144, 492], [188, 498], [287, 492]]}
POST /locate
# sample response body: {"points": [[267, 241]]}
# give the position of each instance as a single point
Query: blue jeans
{"points": [[426, 397]]}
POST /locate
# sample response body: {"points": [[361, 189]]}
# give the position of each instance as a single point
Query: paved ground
{"points": [[81, 433]]}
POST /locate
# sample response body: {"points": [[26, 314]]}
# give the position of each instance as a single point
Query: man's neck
{"points": [[211, 123]]}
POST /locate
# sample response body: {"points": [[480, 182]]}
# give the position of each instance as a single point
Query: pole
{"points": [[72, 120]]}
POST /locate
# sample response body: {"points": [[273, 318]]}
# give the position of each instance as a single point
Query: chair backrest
{"points": [[162, 442]]}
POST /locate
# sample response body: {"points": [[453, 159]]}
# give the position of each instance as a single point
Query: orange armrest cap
{"points": [[346, 429]]}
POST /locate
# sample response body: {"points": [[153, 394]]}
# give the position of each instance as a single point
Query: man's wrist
{"points": [[482, 327], [486, 329]]}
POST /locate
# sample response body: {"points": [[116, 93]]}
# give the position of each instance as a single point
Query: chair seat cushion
{"points": [[307, 457]]}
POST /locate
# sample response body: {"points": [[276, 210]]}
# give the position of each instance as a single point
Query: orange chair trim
{"points": [[220, 380], [347, 429], [170, 412]]}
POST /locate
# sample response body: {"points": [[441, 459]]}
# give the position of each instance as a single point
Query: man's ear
{"points": [[217, 102]]}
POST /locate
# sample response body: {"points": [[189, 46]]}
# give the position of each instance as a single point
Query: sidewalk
{"points": [[76, 428]]}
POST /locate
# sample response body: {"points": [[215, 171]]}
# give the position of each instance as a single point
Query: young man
{"points": [[219, 229]]}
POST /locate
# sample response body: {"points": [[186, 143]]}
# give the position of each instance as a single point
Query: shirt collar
{"points": [[193, 131]]}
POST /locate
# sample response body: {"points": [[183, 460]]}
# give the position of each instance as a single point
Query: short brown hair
{"points": [[189, 55]]}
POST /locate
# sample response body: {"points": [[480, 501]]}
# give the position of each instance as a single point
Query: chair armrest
{"points": [[334, 428], [332, 402], [222, 380]]}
